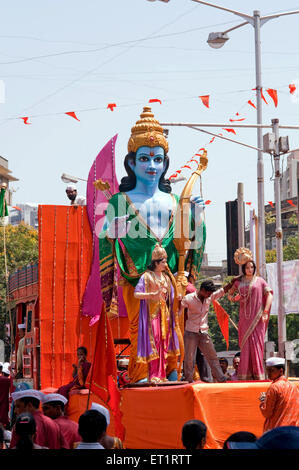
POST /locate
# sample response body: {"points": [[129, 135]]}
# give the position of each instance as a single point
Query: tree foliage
{"points": [[290, 251], [18, 247]]}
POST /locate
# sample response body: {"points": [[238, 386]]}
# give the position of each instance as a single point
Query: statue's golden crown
{"points": [[242, 255], [158, 253], [147, 132]]}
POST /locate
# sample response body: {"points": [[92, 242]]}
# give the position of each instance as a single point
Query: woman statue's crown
{"points": [[242, 255], [147, 132]]}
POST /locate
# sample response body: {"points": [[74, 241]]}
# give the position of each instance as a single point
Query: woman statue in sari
{"points": [[158, 341], [255, 297]]}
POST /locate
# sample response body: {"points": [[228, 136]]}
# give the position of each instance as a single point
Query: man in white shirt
{"points": [[71, 192], [196, 329], [92, 426]]}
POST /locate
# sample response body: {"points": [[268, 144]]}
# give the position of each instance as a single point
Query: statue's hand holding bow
{"points": [[197, 208]]}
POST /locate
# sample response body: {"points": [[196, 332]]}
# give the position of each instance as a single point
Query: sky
{"points": [[59, 56]]}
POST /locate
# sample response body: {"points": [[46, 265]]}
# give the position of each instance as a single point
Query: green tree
{"points": [[270, 256], [232, 309], [18, 247], [269, 218], [290, 251]]}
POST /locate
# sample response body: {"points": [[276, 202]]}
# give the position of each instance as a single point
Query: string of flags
{"points": [[205, 99]]}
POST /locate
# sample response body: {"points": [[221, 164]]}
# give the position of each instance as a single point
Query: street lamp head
{"points": [[68, 178], [217, 40]]}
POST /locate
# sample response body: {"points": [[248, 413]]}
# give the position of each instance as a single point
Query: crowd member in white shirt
{"points": [[71, 192], [196, 328], [92, 426]]}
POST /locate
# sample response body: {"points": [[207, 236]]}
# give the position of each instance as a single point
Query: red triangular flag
{"points": [[103, 377], [155, 100], [205, 100], [222, 318], [203, 149], [25, 119], [262, 95], [229, 130], [291, 202], [16, 207], [248, 203], [251, 104], [271, 203], [235, 120], [111, 106], [73, 115], [208, 202], [292, 88], [273, 94]]}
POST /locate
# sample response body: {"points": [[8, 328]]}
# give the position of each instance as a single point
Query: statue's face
{"points": [[149, 165]]}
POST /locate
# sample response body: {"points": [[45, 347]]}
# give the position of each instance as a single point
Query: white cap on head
{"points": [[5, 369], [27, 393], [71, 187], [46, 398], [22, 325], [101, 409], [275, 361]]}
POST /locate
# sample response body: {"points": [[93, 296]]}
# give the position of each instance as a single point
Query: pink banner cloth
{"points": [[103, 167]]}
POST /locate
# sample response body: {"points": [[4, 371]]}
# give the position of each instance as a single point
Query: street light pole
{"points": [[260, 160], [256, 21], [279, 244]]}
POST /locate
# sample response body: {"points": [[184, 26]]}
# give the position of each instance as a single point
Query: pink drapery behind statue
{"points": [[103, 167]]}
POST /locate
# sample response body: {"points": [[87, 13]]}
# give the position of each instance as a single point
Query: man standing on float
{"points": [[141, 215]]}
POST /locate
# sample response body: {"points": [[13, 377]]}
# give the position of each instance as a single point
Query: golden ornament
{"points": [[242, 255], [158, 252], [147, 132]]}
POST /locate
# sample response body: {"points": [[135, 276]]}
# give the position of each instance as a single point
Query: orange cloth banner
{"points": [[65, 245], [65, 254], [154, 416], [103, 378]]}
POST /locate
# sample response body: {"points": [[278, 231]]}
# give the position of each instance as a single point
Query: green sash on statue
{"points": [[134, 251]]}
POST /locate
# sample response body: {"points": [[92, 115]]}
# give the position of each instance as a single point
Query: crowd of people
{"points": [[40, 421]]}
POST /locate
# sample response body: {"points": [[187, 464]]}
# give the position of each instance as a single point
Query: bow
{"points": [[182, 243]]}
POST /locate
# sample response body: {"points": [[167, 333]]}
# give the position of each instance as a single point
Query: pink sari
{"points": [[251, 327]]}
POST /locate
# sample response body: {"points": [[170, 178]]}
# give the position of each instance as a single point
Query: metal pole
{"points": [[279, 246], [252, 234], [260, 161], [241, 238]]}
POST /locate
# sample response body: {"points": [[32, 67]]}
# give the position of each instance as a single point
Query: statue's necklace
{"points": [[247, 295]]}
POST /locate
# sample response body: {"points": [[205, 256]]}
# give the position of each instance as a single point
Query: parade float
{"points": [[84, 277]]}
